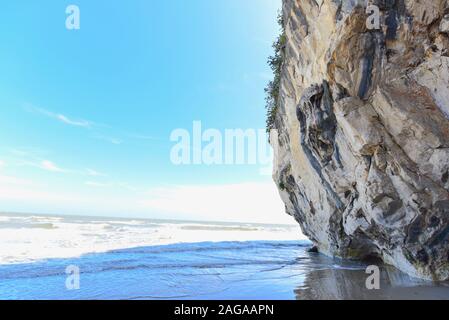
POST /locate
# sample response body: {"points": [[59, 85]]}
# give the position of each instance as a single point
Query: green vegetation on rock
{"points": [[272, 89]]}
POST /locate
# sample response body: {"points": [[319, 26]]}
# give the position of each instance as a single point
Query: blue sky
{"points": [[87, 114]]}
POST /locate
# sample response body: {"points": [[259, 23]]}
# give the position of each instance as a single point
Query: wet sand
{"points": [[346, 283], [251, 270]]}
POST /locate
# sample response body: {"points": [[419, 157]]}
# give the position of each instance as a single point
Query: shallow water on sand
{"points": [[226, 270]]}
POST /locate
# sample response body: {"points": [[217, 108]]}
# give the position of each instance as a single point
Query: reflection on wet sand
{"points": [[333, 280]]}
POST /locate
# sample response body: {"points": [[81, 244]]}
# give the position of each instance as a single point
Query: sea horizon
{"points": [[124, 217]]}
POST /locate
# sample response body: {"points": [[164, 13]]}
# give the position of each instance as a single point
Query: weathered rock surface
{"points": [[362, 143]]}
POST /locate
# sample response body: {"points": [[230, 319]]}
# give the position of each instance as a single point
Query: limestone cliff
{"points": [[362, 142]]}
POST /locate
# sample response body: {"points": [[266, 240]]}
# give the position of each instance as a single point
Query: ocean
{"points": [[138, 259]]}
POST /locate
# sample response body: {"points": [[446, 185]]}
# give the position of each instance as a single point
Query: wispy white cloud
{"points": [[60, 117], [31, 152], [100, 131], [27, 157], [2, 164], [46, 165], [97, 184], [79, 123], [94, 173], [50, 166], [112, 140], [20, 157], [129, 187], [141, 136]]}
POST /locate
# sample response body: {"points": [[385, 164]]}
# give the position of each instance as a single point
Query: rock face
{"points": [[362, 141]]}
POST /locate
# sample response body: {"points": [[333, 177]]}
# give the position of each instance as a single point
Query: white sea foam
{"points": [[30, 238]]}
